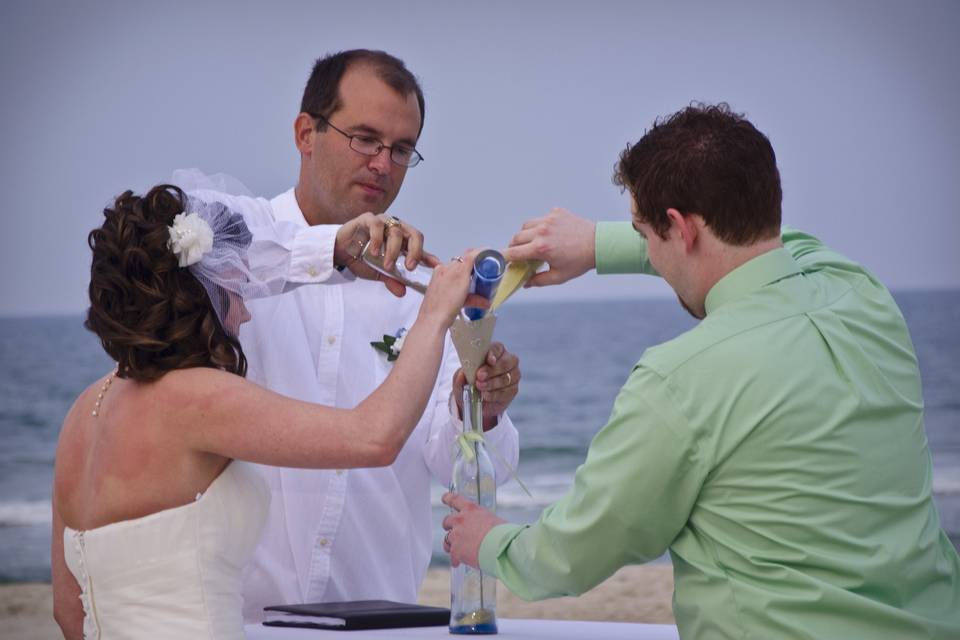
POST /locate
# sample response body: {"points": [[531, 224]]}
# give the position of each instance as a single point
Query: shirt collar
{"points": [[765, 269], [286, 207]]}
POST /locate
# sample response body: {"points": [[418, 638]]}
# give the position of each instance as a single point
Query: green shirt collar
{"points": [[765, 269]]}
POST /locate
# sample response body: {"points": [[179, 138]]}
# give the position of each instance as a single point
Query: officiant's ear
{"points": [[303, 132]]}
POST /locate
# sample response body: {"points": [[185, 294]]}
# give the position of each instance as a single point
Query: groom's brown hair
{"points": [[707, 160]]}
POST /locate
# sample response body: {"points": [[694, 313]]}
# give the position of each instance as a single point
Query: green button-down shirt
{"points": [[777, 450]]}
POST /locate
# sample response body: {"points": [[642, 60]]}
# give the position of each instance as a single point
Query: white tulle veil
{"points": [[250, 255]]}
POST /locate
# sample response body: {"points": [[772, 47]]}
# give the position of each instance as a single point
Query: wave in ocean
{"points": [[24, 514], [946, 482]]}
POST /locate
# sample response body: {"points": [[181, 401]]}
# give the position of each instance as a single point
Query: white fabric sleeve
{"points": [[308, 249], [503, 441], [311, 259]]}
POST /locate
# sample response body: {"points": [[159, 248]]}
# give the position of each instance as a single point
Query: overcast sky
{"points": [[528, 106]]}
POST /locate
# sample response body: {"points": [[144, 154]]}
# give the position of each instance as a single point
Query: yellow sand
{"points": [[634, 594]]}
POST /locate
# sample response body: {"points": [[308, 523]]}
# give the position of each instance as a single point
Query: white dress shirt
{"points": [[357, 534]]}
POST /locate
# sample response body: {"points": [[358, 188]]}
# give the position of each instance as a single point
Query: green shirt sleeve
{"points": [[628, 502], [620, 249]]}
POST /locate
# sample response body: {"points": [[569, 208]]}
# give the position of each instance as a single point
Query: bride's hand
{"points": [[447, 291], [384, 232]]}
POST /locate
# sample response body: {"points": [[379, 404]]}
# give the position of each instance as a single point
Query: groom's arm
{"points": [[572, 245]]}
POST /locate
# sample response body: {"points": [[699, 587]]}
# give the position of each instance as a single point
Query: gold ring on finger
{"points": [[390, 223], [509, 379]]}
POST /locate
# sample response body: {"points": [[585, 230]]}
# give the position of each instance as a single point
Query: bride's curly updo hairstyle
{"points": [[151, 315]]}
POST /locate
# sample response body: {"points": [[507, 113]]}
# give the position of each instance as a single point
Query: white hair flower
{"points": [[190, 238]]}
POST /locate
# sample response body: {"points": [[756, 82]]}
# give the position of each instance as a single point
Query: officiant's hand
{"points": [[466, 529], [385, 233], [563, 240], [498, 381]]}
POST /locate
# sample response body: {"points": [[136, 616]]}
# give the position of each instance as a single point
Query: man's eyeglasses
{"points": [[401, 154]]}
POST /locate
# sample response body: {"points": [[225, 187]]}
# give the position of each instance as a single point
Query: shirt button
{"points": [[312, 271], [339, 472], [331, 339], [324, 542]]}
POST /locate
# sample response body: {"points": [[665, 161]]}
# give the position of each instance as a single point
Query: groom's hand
{"points": [[498, 381], [563, 240]]}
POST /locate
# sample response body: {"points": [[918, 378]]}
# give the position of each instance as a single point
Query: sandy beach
{"points": [[634, 594]]}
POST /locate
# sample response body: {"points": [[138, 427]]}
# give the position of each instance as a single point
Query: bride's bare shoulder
{"points": [[198, 382]]}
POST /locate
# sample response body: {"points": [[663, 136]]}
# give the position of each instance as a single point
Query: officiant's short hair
{"points": [[322, 93], [152, 315], [705, 159]]}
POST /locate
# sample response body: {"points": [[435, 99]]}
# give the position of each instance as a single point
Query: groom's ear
{"points": [[304, 128], [685, 226]]}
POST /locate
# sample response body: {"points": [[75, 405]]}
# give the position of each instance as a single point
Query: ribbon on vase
{"points": [[464, 441]]}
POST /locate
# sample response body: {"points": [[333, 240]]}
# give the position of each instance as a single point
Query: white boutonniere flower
{"points": [[190, 238], [391, 345]]}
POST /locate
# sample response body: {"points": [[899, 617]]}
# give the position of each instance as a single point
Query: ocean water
{"points": [[572, 372]]}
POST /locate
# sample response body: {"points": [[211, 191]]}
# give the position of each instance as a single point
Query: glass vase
{"points": [[473, 594]]}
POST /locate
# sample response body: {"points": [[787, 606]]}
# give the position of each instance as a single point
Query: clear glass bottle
{"points": [[473, 594]]}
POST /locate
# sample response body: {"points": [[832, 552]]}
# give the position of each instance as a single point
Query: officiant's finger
{"points": [[459, 382], [395, 287], [413, 244], [429, 260], [374, 225], [394, 245], [495, 352], [494, 364], [496, 387]]}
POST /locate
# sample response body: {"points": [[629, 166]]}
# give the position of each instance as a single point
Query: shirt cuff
{"points": [[504, 424], [311, 258], [493, 545], [503, 430], [619, 248]]}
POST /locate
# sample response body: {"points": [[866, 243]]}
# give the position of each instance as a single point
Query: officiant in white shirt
{"points": [[365, 533]]}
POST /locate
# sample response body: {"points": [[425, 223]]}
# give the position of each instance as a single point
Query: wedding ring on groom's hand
{"points": [[458, 259]]}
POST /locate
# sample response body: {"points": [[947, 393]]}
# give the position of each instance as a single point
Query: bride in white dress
{"points": [[154, 514]]}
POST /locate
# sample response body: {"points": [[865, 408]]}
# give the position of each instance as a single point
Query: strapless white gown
{"points": [[176, 573]]}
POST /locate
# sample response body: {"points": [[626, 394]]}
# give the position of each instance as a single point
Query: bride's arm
{"points": [[67, 608], [227, 415]]}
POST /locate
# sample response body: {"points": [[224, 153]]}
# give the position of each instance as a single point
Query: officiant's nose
{"points": [[381, 163]]}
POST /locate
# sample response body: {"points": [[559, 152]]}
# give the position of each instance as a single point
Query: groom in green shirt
{"points": [[777, 449]]}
